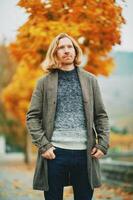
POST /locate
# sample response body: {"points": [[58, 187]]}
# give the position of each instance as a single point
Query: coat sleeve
{"points": [[101, 120], [34, 118]]}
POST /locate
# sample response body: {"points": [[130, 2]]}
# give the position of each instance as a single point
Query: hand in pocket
{"points": [[49, 154]]}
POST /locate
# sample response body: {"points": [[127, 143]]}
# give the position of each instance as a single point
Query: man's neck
{"points": [[67, 67]]}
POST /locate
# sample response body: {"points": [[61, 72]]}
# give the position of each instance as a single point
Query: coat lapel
{"points": [[52, 100], [87, 93], [84, 84], [52, 88]]}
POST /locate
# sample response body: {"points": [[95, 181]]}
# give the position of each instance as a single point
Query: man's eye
{"points": [[60, 47]]}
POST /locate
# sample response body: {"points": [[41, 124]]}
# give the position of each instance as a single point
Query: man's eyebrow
{"points": [[60, 46]]}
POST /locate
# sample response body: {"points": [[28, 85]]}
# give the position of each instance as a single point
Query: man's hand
{"points": [[97, 153], [49, 154]]}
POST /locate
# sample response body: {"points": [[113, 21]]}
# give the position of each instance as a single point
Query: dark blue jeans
{"points": [[73, 162]]}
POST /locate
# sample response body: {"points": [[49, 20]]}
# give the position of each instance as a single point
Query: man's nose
{"points": [[66, 49]]}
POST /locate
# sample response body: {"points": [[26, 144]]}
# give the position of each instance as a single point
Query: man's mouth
{"points": [[67, 57]]}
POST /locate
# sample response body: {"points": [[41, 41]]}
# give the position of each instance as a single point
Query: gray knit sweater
{"points": [[70, 130]]}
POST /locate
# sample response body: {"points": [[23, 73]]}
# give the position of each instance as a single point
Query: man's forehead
{"points": [[64, 40]]}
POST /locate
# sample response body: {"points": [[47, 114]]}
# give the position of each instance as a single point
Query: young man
{"points": [[68, 123]]}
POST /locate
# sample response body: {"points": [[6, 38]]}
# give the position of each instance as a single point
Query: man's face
{"points": [[65, 51]]}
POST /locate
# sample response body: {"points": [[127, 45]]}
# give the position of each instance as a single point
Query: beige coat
{"points": [[40, 123]]}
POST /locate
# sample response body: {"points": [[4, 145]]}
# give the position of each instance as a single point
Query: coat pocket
{"points": [[96, 171]]}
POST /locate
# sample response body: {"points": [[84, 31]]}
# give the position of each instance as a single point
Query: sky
{"points": [[12, 17]]}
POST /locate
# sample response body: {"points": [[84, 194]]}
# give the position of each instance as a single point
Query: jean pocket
{"points": [[59, 151]]}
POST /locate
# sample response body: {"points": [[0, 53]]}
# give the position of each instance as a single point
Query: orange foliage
{"points": [[122, 141], [96, 23]]}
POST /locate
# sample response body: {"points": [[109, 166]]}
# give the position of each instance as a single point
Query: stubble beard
{"points": [[69, 62]]}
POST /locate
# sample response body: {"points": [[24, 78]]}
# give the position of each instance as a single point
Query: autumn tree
{"points": [[7, 69], [95, 24]]}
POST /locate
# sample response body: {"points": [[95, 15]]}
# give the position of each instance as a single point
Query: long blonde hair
{"points": [[50, 63]]}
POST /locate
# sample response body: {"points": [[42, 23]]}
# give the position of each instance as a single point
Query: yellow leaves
{"points": [[97, 21], [17, 184], [97, 62], [17, 95], [31, 5], [110, 192], [124, 141], [68, 191]]}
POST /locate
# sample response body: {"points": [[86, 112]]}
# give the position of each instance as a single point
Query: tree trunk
{"points": [[27, 149]]}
